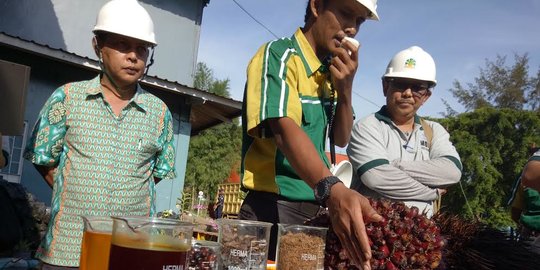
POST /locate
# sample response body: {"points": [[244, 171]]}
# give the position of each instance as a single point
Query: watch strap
{"points": [[323, 187]]}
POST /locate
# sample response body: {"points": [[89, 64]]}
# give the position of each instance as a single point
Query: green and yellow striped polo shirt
{"points": [[285, 79]]}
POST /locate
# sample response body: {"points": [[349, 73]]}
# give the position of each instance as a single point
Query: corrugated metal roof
{"points": [[207, 109]]}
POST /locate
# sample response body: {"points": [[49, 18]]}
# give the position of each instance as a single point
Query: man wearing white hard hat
{"points": [[395, 153], [298, 90], [103, 144]]}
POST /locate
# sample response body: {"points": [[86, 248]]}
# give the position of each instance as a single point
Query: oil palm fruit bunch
{"points": [[404, 239], [472, 244]]}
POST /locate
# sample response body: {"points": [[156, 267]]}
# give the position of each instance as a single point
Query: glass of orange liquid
{"points": [[96, 242], [150, 243]]}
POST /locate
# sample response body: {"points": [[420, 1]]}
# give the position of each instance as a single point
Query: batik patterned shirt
{"points": [[105, 164]]}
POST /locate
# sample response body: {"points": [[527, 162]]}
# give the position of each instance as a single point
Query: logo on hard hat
{"points": [[410, 63]]}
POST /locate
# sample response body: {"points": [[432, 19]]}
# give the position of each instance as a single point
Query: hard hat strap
{"points": [[104, 70]]}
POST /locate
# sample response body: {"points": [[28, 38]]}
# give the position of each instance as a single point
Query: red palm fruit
{"points": [[439, 242], [398, 246], [427, 237], [382, 252], [412, 212], [412, 258], [391, 237], [390, 266], [369, 229], [410, 249], [375, 265], [421, 259], [425, 246], [406, 238], [399, 259]]}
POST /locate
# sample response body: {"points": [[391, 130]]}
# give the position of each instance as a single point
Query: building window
{"points": [[15, 147]]}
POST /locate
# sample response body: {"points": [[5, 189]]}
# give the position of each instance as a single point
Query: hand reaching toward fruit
{"points": [[349, 212], [404, 239]]}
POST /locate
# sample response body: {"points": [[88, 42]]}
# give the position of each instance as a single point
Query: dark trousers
{"points": [[269, 207], [532, 239]]}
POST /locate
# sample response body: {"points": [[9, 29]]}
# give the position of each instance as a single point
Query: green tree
{"points": [[205, 80], [493, 146], [215, 151], [500, 86]]}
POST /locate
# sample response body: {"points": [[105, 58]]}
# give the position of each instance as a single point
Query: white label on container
{"points": [[308, 257], [236, 268], [173, 267], [239, 253]]}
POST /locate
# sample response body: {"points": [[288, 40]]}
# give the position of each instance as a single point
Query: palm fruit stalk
{"points": [[474, 245]]}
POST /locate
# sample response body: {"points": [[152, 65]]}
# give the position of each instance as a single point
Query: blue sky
{"points": [[459, 34]]}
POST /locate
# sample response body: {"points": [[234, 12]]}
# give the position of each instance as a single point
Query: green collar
{"points": [[306, 53], [383, 115], [138, 99]]}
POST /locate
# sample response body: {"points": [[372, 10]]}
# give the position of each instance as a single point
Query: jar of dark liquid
{"points": [[149, 243]]}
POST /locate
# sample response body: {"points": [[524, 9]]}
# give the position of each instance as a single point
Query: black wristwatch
{"points": [[322, 189]]}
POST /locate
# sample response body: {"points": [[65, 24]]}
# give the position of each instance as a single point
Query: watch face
{"points": [[321, 190]]}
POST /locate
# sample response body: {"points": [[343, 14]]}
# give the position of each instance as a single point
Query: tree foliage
{"points": [[493, 145], [204, 80], [215, 151], [500, 86]]}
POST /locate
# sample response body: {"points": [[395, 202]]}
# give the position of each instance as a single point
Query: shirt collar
{"points": [[306, 53], [137, 100]]}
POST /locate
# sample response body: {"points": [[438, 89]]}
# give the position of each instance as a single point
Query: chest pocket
{"points": [[145, 148], [313, 116]]}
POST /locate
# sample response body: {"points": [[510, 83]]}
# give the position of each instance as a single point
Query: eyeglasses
{"points": [[418, 90]]}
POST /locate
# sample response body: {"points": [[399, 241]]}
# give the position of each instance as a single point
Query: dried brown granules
{"points": [[300, 251]]}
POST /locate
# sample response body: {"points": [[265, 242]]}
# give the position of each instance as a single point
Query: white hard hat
{"points": [[371, 5], [412, 63], [127, 18]]}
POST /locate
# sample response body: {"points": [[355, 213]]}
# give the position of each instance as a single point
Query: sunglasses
{"points": [[418, 89]]}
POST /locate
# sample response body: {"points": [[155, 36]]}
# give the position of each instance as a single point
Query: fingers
{"points": [[351, 45], [345, 63], [351, 249], [343, 68], [349, 213], [369, 213]]}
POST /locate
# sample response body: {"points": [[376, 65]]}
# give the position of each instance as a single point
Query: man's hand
{"points": [[343, 68], [349, 211], [441, 191], [47, 173]]}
